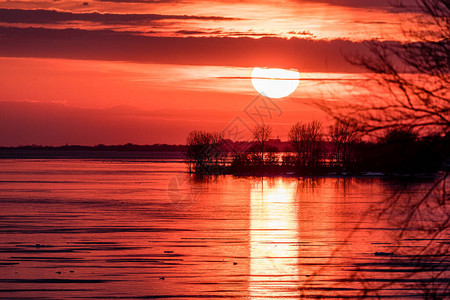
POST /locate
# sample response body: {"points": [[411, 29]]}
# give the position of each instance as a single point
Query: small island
{"points": [[311, 152]]}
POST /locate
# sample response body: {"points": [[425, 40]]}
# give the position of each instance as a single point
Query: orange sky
{"points": [[144, 71]]}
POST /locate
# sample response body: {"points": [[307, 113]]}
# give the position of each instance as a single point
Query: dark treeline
{"points": [[101, 147], [126, 151], [315, 150]]}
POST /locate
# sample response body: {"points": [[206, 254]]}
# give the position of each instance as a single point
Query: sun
{"points": [[275, 83]]}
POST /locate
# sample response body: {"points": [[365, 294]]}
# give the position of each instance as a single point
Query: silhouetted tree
{"points": [[399, 135], [298, 136], [306, 141], [204, 150], [342, 135], [399, 150], [414, 74], [261, 134]]}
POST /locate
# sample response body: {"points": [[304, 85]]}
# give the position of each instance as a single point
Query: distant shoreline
{"points": [[88, 154]]}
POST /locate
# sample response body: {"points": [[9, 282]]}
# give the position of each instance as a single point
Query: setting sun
{"points": [[275, 83]]}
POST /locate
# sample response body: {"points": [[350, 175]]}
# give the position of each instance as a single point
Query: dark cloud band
{"points": [[304, 54], [43, 16]]}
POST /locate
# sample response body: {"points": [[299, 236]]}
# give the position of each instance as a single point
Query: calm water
{"points": [[124, 229]]}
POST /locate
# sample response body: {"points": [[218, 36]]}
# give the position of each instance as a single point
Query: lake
{"points": [[147, 229]]}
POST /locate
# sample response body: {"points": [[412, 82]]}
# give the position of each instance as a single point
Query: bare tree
{"points": [[297, 137], [342, 135], [306, 140], [216, 149], [261, 134], [204, 149], [414, 74]]}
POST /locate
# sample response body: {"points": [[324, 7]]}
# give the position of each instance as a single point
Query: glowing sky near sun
{"points": [[117, 71]]}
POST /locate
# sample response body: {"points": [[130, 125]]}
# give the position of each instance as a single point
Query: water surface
{"points": [[146, 229]]}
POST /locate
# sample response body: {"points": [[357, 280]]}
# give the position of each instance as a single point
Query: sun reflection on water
{"points": [[273, 240]]}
